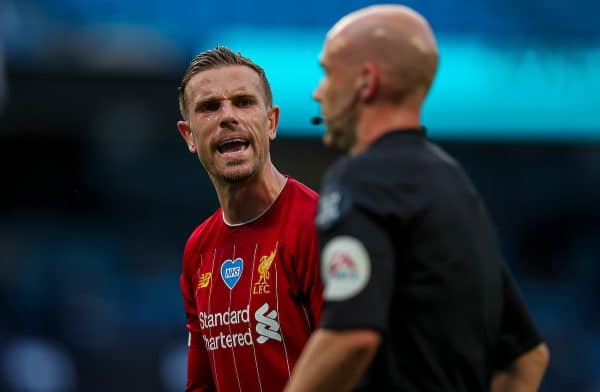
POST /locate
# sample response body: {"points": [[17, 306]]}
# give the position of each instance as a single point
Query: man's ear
{"points": [[369, 82], [186, 132], [273, 122]]}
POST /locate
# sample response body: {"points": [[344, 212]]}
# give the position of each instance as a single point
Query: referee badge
{"points": [[345, 267]]}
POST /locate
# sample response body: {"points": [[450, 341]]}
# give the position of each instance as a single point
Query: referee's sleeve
{"points": [[357, 266], [518, 333]]}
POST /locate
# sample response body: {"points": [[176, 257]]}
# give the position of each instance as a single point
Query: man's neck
{"points": [[248, 200], [380, 120]]}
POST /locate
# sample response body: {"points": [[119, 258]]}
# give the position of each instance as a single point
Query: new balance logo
{"points": [[267, 325]]}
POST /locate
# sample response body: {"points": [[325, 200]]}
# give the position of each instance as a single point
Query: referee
{"points": [[417, 294]]}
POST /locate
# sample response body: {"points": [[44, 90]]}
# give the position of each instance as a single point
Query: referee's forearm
{"points": [[525, 373], [333, 360]]}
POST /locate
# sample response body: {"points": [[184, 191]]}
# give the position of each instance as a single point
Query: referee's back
{"points": [[447, 301]]}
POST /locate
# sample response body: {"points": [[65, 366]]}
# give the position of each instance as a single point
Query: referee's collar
{"points": [[409, 133], [421, 130]]}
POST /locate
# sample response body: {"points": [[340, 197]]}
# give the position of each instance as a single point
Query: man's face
{"points": [[337, 95], [229, 122]]}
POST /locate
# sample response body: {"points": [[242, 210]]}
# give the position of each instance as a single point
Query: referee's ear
{"points": [[186, 132], [369, 82]]}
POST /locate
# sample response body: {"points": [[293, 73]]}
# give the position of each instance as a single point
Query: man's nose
{"points": [[228, 115], [316, 94]]}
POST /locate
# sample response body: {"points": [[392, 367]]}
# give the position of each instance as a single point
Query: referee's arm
{"points": [[525, 373], [334, 360], [356, 309], [523, 355]]}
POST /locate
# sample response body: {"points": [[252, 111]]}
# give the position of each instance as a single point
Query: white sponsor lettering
{"points": [[230, 317], [222, 341], [267, 327]]}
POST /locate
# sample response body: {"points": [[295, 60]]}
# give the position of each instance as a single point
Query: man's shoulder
{"points": [[301, 200], [393, 162], [205, 228], [302, 191], [357, 172], [385, 184]]}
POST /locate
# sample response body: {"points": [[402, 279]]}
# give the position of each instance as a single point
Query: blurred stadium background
{"points": [[99, 192]]}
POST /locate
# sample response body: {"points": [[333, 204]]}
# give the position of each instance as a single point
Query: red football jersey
{"points": [[252, 295]]}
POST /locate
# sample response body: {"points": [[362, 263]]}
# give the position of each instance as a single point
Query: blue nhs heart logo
{"points": [[231, 271]]}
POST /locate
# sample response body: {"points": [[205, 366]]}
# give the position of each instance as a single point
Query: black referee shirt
{"points": [[409, 249]]}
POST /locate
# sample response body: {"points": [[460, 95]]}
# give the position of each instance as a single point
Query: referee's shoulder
{"points": [[365, 167]]}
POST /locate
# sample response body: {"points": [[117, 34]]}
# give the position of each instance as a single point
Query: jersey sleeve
{"points": [[199, 376], [356, 264], [518, 333]]}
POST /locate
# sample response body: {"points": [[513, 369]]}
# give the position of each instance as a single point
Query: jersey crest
{"points": [[262, 285]]}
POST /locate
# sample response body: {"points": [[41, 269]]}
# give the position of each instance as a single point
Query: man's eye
{"points": [[210, 106], [243, 102]]}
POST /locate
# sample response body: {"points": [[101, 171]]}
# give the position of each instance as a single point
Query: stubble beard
{"points": [[238, 174], [342, 136]]}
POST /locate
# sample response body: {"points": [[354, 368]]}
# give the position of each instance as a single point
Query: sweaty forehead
{"points": [[224, 82]]}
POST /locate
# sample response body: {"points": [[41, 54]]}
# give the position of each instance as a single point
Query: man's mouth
{"points": [[233, 146]]}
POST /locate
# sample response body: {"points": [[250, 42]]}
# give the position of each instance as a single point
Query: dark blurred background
{"points": [[99, 192]]}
